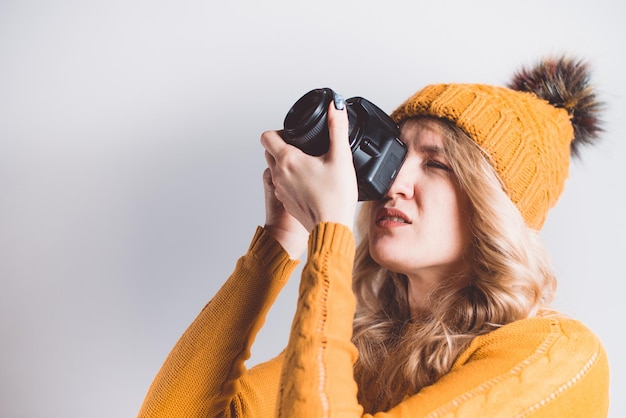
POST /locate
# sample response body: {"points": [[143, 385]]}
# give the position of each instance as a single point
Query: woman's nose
{"points": [[404, 184]]}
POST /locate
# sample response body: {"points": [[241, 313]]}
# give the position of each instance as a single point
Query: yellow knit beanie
{"points": [[528, 135]]}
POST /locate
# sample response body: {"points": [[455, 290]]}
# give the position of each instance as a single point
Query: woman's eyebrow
{"points": [[431, 149]]}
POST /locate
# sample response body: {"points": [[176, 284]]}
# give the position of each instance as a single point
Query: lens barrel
{"points": [[306, 123]]}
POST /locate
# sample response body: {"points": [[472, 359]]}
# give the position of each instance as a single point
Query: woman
{"points": [[443, 308]]}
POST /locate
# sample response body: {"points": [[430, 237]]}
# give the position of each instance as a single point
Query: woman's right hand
{"points": [[283, 227], [315, 189]]}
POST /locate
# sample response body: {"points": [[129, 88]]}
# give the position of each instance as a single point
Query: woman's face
{"points": [[421, 228]]}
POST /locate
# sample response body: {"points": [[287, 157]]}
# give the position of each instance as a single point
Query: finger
{"points": [[272, 204], [267, 181], [272, 142], [269, 175], [271, 161], [338, 126]]}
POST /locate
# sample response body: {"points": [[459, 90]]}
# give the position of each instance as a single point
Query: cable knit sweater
{"points": [[540, 367]]}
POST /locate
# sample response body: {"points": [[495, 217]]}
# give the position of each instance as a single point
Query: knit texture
{"points": [[526, 139], [538, 367]]}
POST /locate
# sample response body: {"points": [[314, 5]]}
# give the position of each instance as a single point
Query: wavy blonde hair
{"points": [[510, 278]]}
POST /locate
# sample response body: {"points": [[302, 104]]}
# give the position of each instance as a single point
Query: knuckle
{"points": [[289, 159], [265, 137]]}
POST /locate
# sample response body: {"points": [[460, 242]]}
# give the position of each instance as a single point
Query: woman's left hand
{"points": [[315, 189]]}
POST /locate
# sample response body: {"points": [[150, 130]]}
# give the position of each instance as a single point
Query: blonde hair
{"points": [[510, 279]]}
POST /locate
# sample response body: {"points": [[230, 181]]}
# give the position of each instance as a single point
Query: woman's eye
{"points": [[438, 165]]}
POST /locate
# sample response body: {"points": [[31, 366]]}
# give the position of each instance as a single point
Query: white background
{"points": [[130, 166]]}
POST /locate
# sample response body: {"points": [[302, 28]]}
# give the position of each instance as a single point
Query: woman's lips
{"points": [[390, 217]]}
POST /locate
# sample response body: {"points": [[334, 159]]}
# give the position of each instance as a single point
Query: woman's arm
{"points": [[203, 373], [317, 377]]}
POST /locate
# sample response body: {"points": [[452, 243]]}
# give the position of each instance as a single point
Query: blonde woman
{"points": [[443, 308]]}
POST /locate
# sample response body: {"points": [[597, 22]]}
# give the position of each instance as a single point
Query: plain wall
{"points": [[130, 164]]}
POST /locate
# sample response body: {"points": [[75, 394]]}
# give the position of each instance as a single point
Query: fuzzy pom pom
{"points": [[565, 83]]}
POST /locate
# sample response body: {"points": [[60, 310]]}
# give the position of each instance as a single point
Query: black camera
{"points": [[377, 152]]}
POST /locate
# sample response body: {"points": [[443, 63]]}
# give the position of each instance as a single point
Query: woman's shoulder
{"points": [[549, 335], [555, 347], [549, 328], [554, 363]]}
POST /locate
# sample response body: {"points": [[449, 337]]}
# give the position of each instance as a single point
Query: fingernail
{"points": [[340, 102]]}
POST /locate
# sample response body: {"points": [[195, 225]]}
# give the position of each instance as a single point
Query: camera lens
{"points": [[377, 152], [305, 125]]}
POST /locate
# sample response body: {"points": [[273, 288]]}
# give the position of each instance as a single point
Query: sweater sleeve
{"points": [[204, 375], [317, 378], [540, 367]]}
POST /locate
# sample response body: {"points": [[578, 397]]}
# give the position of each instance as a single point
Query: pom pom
{"points": [[565, 83]]}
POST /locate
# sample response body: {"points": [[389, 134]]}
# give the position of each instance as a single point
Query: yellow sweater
{"points": [[540, 367]]}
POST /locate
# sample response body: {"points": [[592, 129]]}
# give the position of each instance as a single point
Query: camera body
{"points": [[377, 151]]}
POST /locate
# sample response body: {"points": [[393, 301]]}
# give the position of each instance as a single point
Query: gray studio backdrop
{"points": [[130, 166]]}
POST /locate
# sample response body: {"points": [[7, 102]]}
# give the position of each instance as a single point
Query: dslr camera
{"points": [[377, 152]]}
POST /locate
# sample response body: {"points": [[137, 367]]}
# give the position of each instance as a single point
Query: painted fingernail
{"points": [[340, 102]]}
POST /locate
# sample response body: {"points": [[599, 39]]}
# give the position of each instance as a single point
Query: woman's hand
{"points": [[315, 189], [285, 229]]}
